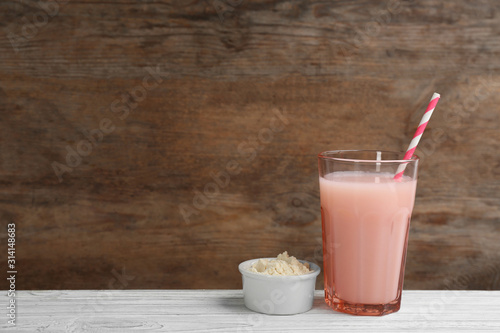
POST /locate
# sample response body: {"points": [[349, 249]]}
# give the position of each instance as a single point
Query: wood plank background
{"points": [[159, 98]]}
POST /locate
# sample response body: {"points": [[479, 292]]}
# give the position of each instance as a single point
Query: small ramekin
{"points": [[278, 295]]}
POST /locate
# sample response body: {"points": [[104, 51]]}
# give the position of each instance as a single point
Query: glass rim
{"points": [[322, 155]]}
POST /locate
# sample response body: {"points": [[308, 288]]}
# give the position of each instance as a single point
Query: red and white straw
{"points": [[418, 134]]}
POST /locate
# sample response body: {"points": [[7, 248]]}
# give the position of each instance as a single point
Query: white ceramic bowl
{"points": [[278, 295]]}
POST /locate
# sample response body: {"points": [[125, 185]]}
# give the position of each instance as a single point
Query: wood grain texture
{"points": [[323, 74], [224, 311]]}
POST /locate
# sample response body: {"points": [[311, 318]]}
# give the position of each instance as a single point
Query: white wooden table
{"points": [[224, 311]]}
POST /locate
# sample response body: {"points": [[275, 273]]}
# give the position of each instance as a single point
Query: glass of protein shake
{"points": [[366, 205]]}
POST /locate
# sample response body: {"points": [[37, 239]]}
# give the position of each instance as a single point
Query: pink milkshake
{"points": [[365, 221]]}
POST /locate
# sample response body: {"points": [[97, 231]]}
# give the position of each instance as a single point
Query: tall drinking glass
{"points": [[365, 215]]}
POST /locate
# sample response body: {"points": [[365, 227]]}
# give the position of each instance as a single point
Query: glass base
{"points": [[359, 309]]}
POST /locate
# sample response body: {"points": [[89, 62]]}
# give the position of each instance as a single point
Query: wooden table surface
{"points": [[224, 311]]}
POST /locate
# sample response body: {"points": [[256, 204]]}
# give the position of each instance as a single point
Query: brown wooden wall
{"points": [[140, 105]]}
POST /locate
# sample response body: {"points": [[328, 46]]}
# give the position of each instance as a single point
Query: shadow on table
{"points": [[320, 304], [237, 305]]}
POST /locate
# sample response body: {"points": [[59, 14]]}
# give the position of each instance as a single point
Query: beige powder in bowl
{"points": [[282, 265]]}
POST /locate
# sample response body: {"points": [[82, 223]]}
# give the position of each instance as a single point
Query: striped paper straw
{"points": [[418, 134]]}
